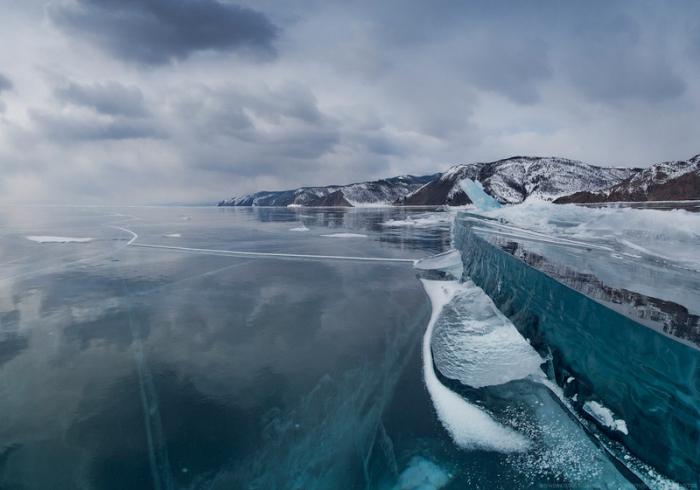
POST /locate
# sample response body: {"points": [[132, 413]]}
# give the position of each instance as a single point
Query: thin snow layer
{"points": [[172, 235], [299, 228], [604, 416], [422, 474], [477, 345], [57, 239], [469, 426], [477, 195], [427, 220], [672, 235], [345, 235]]}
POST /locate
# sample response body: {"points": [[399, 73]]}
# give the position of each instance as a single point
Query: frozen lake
{"points": [[220, 348]]}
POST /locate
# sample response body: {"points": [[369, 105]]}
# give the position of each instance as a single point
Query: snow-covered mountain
{"points": [[514, 179], [509, 181], [667, 181], [378, 192]]}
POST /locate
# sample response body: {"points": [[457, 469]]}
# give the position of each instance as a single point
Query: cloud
{"points": [[511, 66], [66, 128], [268, 127], [5, 83], [154, 32], [168, 100], [615, 59], [110, 98]]}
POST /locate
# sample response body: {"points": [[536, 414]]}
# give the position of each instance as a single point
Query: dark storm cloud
{"points": [[110, 98], [613, 59], [72, 128], [269, 128], [610, 51], [5, 83], [511, 66], [160, 31]]}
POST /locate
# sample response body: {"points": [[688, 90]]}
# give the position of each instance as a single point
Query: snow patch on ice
{"points": [[604, 416], [422, 474], [345, 235], [299, 228], [57, 239], [469, 426], [172, 235]]}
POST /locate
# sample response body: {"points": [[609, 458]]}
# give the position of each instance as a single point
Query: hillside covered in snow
{"points": [[512, 180], [508, 181], [667, 181], [378, 192]]}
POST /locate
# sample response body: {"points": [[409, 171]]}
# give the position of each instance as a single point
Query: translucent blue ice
{"points": [[478, 196]]}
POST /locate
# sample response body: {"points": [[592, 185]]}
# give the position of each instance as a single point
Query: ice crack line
{"points": [[134, 236], [240, 253]]}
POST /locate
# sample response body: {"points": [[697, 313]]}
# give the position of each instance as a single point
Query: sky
{"points": [[194, 101]]}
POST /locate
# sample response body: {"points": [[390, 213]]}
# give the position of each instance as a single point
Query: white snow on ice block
{"points": [[604, 416]]}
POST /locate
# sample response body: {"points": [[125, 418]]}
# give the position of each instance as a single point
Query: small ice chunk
{"points": [[57, 239], [604, 416], [172, 235], [569, 379], [299, 228], [345, 235]]}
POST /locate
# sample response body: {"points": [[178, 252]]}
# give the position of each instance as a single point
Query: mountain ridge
{"points": [[510, 181], [676, 180]]}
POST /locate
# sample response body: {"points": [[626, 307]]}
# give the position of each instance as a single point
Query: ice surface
{"points": [[478, 196], [468, 425], [475, 344], [172, 235], [422, 474], [345, 235], [672, 235], [449, 262], [604, 416], [57, 239]]}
